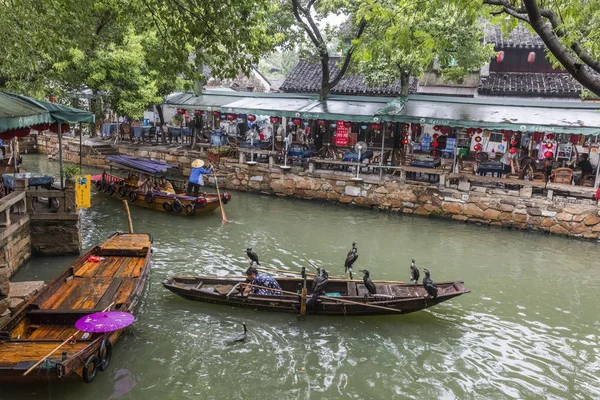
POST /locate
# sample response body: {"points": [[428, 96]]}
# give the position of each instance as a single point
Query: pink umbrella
{"points": [[107, 321]]}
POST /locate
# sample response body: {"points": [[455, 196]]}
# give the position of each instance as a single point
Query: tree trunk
{"points": [[325, 85], [161, 117], [404, 82]]}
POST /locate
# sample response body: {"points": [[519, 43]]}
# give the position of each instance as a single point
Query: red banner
{"points": [[341, 134]]}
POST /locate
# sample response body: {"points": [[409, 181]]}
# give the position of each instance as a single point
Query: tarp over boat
{"points": [[140, 164]]}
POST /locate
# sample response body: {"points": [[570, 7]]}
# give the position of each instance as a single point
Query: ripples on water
{"points": [[529, 329]]}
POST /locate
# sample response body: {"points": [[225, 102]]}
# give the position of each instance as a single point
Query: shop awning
{"points": [[210, 100], [345, 109], [16, 113], [518, 115], [275, 106], [58, 112]]}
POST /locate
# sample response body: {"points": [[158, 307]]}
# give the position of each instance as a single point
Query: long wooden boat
{"points": [[391, 298], [178, 204], [87, 286]]}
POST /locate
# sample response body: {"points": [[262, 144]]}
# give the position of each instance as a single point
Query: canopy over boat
{"points": [[140, 164]]}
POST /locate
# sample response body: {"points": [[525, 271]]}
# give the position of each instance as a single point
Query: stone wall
{"points": [[91, 155], [55, 234]]}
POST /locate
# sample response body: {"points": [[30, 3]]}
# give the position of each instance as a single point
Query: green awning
{"points": [[518, 115], [344, 110], [58, 112], [280, 106], [211, 101], [16, 113]]}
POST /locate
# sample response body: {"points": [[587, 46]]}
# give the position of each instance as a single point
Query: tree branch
{"points": [[342, 71], [295, 7]]}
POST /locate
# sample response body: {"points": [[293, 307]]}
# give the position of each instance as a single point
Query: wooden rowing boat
{"points": [[85, 287], [343, 298]]}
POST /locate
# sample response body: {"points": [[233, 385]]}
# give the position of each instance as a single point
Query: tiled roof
{"points": [[520, 37], [306, 78], [530, 84]]}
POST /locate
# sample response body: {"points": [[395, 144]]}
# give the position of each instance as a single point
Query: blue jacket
{"points": [[197, 175]]}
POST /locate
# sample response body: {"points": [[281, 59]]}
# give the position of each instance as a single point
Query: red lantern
{"points": [[513, 142], [512, 150], [216, 113], [405, 134], [348, 124], [436, 128], [435, 144], [404, 141], [297, 121], [231, 117], [444, 130], [500, 57], [550, 136], [531, 57], [479, 130], [414, 127], [376, 127], [435, 136], [406, 126], [549, 145], [180, 111], [198, 113], [41, 127], [477, 147], [251, 118], [478, 139], [548, 154], [274, 120], [321, 122]]}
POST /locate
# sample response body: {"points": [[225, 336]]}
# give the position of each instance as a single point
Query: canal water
{"points": [[528, 330]]}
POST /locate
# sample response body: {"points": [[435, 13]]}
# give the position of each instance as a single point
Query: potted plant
{"points": [[69, 174]]}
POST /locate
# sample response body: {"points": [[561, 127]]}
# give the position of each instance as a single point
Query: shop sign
{"points": [[83, 191], [341, 134]]}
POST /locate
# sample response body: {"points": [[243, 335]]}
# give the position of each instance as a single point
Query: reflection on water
{"points": [[529, 329]]}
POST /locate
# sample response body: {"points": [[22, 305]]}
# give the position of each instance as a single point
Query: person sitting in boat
{"points": [[197, 177], [165, 186], [144, 184], [266, 281]]}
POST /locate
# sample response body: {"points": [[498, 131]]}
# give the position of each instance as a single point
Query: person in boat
{"points": [[165, 186], [254, 278], [197, 177], [144, 184]]}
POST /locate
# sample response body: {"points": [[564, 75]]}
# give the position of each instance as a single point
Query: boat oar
{"points": [[128, 216], [328, 298], [219, 195], [60, 345]]}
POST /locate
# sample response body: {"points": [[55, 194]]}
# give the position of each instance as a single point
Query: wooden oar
{"points": [[60, 345], [328, 298], [128, 216], [219, 195]]}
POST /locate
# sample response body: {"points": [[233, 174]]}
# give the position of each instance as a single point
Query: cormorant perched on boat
{"points": [[318, 286], [368, 282], [429, 285], [241, 337], [252, 256], [414, 272], [351, 257]]}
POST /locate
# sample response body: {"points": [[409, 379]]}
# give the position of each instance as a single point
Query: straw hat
{"points": [[198, 163]]}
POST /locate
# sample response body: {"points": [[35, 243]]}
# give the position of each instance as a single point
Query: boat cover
{"points": [[140, 164]]}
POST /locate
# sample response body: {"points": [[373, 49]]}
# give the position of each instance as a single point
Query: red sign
{"points": [[341, 134]]}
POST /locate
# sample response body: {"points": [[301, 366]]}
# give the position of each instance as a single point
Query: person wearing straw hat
{"points": [[197, 177]]}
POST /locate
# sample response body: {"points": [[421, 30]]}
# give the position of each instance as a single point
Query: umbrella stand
{"points": [[59, 346]]}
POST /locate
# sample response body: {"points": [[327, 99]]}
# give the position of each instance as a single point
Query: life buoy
{"points": [[177, 206], [123, 190], [190, 209], [88, 374], [133, 196], [149, 197], [99, 186], [105, 354], [110, 189], [167, 207]]}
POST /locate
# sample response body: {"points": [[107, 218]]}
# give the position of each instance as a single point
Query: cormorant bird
{"points": [[368, 282], [429, 285], [351, 257], [252, 256], [318, 286], [241, 337], [414, 272]]}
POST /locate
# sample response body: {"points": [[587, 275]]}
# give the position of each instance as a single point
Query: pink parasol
{"points": [[107, 321]]}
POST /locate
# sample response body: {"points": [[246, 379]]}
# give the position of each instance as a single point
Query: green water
{"points": [[528, 330]]}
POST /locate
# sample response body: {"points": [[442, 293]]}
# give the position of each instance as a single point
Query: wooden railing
{"points": [[14, 203], [58, 201]]}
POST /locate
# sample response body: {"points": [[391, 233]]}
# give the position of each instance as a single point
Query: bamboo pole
{"points": [[59, 346], [128, 216], [303, 298], [331, 279], [328, 298], [219, 195]]}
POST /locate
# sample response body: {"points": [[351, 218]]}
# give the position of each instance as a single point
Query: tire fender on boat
{"points": [[87, 374], [167, 207], [190, 209], [149, 197], [104, 354], [133, 196], [177, 206], [110, 189], [98, 186], [123, 190]]}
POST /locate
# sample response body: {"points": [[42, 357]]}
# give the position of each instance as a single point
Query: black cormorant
{"points": [[252, 256], [319, 282], [414, 272], [241, 337], [429, 285], [368, 282], [351, 257]]}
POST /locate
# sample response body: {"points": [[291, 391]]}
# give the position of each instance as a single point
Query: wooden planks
{"points": [[15, 352], [60, 332], [132, 268], [61, 293], [127, 242], [125, 290]]}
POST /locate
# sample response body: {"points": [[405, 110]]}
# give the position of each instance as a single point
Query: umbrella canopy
{"points": [[17, 113], [57, 112], [107, 321]]}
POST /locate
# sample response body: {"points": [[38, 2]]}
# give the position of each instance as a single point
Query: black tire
{"points": [[98, 186], [149, 198], [190, 209], [105, 354], [133, 196], [87, 374], [110, 190], [167, 207], [177, 206], [123, 190]]}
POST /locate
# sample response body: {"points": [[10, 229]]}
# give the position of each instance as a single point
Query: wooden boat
{"points": [[343, 297], [85, 287], [178, 203]]}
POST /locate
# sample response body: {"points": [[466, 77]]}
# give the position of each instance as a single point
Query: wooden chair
{"points": [[539, 176], [587, 180], [563, 175]]}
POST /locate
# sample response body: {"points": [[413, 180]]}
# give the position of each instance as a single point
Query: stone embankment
{"points": [[526, 208]]}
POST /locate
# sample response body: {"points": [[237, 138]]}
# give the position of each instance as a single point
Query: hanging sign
{"points": [[83, 191], [341, 134]]}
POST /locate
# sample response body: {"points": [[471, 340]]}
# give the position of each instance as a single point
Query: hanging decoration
{"points": [[436, 128], [41, 127], [198, 113], [297, 121], [274, 120], [477, 147], [435, 144], [405, 141], [180, 111], [231, 117], [537, 137], [414, 127], [251, 118], [500, 57], [348, 124], [512, 150], [531, 57], [63, 128], [376, 127], [479, 130], [548, 154], [435, 136], [549, 136], [216, 114], [321, 122], [549, 145], [478, 139]]}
